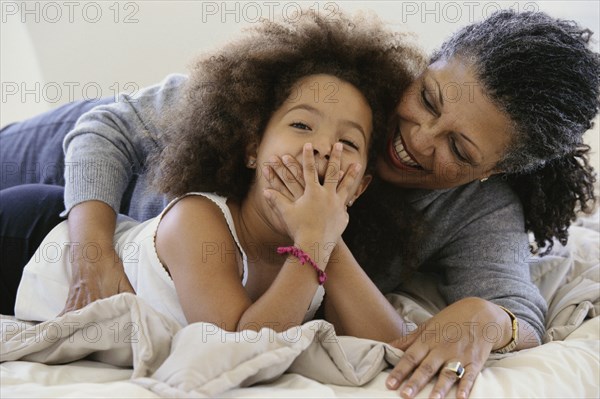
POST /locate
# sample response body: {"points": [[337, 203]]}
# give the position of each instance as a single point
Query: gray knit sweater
{"points": [[477, 245]]}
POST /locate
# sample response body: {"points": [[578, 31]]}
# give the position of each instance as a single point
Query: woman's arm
{"points": [[482, 255], [97, 270], [106, 148], [478, 249], [478, 245], [467, 331], [110, 143]]}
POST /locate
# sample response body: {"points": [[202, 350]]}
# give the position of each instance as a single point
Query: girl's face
{"points": [[445, 132], [321, 110]]}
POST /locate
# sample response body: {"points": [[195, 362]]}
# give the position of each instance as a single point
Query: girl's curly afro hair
{"points": [[231, 95]]}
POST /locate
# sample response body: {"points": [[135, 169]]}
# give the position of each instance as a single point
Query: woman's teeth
{"points": [[401, 152]]}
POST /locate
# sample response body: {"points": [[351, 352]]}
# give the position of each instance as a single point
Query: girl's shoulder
{"points": [[195, 203], [192, 226], [195, 212]]}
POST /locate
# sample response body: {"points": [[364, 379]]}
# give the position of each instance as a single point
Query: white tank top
{"points": [[44, 287]]}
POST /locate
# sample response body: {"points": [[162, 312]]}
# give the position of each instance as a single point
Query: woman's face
{"points": [[445, 131]]}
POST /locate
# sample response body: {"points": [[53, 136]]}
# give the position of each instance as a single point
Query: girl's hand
{"points": [[460, 333], [285, 176], [315, 211]]}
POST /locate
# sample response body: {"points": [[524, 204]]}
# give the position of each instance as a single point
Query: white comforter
{"points": [[202, 360]]}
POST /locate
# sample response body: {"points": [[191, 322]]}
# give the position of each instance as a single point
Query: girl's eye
{"points": [[456, 152], [349, 143], [300, 125]]}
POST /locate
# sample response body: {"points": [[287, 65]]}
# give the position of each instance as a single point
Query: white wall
{"points": [[56, 51]]}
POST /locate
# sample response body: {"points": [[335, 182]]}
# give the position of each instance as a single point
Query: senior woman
{"points": [[486, 143], [514, 148]]}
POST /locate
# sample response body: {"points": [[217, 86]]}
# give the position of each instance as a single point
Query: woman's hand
{"points": [[466, 331], [315, 210], [99, 277], [97, 270]]}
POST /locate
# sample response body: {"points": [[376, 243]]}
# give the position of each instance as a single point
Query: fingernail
{"points": [[337, 146], [308, 146], [436, 396], [408, 391], [392, 383], [286, 159], [267, 194], [357, 167]]}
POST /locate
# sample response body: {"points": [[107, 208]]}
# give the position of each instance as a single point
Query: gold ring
{"points": [[456, 368]]}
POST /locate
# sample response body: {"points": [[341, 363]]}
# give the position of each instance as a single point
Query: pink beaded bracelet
{"points": [[304, 258]]}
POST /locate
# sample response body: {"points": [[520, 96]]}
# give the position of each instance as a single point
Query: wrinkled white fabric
{"points": [[201, 360]]}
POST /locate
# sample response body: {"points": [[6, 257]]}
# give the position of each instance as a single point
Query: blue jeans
{"points": [[31, 196], [31, 150], [27, 214]]}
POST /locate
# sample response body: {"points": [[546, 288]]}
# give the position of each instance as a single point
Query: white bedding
{"points": [[317, 364], [562, 369]]}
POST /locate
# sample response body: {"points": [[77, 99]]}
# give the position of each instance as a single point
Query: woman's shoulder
{"points": [[168, 88], [494, 191], [490, 200]]}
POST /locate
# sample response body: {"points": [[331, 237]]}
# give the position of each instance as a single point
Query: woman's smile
{"points": [[399, 155]]}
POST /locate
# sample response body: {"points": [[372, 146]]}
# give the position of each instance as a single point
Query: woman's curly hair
{"points": [[542, 74], [231, 96]]}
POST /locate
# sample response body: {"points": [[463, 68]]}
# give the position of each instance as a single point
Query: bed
{"points": [[121, 347]]}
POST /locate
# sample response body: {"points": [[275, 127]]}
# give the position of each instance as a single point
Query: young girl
{"points": [[228, 249]]}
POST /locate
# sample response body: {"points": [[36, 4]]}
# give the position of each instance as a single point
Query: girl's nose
{"points": [[317, 154], [322, 148], [322, 151]]}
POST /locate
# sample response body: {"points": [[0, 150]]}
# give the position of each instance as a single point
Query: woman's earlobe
{"points": [[489, 174]]}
